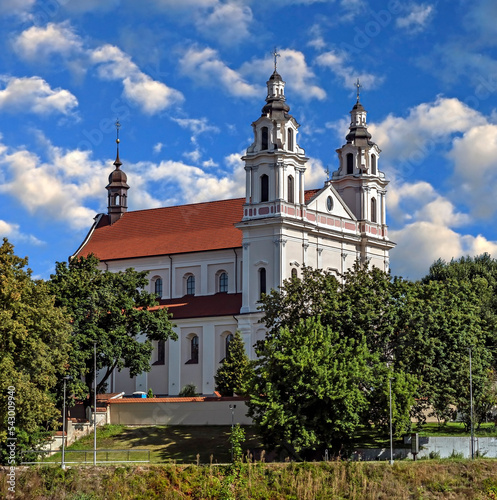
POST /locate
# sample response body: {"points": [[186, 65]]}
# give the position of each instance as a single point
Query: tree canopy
{"points": [[34, 348], [415, 334], [113, 310]]}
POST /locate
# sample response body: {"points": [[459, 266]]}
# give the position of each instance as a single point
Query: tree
{"points": [[309, 388], [34, 347], [235, 371], [113, 310]]}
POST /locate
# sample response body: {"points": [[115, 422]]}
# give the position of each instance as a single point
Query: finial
{"points": [[117, 163], [327, 172], [275, 55], [358, 86]]}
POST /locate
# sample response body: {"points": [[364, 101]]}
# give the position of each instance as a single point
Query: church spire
{"points": [[358, 131], [117, 188]]}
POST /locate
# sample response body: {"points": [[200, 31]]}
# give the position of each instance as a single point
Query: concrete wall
{"points": [[443, 447], [149, 412]]}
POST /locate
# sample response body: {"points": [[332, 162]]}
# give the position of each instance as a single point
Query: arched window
{"points": [[223, 282], [264, 187], [194, 349], [190, 285], [294, 273], [373, 164], [264, 138], [262, 281], [350, 163], [291, 190], [373, 209], [290, 139], [227, 341], [158, 287]]}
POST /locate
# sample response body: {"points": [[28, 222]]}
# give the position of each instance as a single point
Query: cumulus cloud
{"points": [[34, 95], [152, 96], [205, 65], [13, 233], [407, 141], [191, 184], [474, 156], [293, 67], [417, 19], [111, 63], [346, 73], [37, 43], [56, 188], [426, 224], [227, 23]]}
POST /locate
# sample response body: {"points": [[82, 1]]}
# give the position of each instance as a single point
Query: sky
{"points": [[187, 78]]}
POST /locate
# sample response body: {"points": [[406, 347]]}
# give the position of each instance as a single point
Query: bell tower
{"points": [[274, 163], [359, 181], [117, 189]]}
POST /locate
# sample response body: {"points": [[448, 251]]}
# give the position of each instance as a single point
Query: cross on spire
{"points": [[117, 163], [327, 172], [275, 55], [358, 86]]}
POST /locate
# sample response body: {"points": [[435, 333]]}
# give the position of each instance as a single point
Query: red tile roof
{"points": [[169, 230], [193, 306]]}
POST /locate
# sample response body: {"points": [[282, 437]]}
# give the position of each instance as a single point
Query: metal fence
{"points": [[87, 456]]}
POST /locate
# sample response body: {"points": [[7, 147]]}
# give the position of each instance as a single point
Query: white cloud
{"points": [[227, 23], [34, 95], [13, 233], [152, 96], [409, 140], [204, 65], [475, 169], [293, 67], [39, 43], [158, 147], [417, 19], [346, 73], [197, 126], [56, 188], [111, 63], [427, 222]]}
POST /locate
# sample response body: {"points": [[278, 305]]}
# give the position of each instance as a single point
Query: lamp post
{"points": [[232, 408], [471, 407], [391, 433], [63, 465], [94, 403]]}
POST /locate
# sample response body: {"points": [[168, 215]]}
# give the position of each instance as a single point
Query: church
{"points": [[210, 262]]}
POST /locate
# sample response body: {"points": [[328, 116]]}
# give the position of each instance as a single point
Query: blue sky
{"points": [[186, 80]]}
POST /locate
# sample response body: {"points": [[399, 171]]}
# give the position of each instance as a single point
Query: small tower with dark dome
{"points": [[117, 188]]}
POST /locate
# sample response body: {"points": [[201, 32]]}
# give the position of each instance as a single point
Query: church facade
{"points": [[210, 262]]}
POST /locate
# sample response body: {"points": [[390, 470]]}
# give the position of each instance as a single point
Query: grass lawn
{"points": [[180, 444]]}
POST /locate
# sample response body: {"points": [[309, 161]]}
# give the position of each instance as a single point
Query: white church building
{"points": [[210, 262]]}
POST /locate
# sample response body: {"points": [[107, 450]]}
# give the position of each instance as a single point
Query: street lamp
{"points": [[391, 433], [232, 408], [63, 465], [94, 403], [471, 407]]}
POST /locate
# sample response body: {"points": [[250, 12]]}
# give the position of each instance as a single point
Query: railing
{"points": [[86, 456]]}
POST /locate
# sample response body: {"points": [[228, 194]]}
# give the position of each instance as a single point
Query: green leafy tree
{"points": [[439, 322], [309, 387], [113, 310], [235, 372], [34, 347]]}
